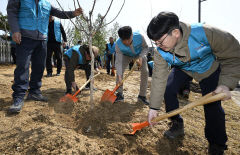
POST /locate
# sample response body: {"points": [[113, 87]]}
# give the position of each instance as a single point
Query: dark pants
{"points": [[56, 48], [34, 51], [215, 130], [86, 67], [150, 70], [109, 60], [13, 54]]}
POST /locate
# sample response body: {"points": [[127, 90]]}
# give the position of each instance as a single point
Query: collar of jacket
{"points": [[181, 49]]}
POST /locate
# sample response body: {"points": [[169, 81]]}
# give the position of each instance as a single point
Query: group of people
{"points": [[183, 52]]}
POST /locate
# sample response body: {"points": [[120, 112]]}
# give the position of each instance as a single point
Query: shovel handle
{"points": [[202, 101], [84, 85], [128, 74]]}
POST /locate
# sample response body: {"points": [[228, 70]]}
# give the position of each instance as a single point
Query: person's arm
{"points": [[226, 48], [118, 63], [65, 14], [144, 48], [72, 65], [12, 12], [159, 81], [63, 33]]}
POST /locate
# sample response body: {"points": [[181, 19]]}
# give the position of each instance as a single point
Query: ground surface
{"points": [[81, 128]]}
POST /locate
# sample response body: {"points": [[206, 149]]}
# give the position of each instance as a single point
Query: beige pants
{"points": [[144, 74]]}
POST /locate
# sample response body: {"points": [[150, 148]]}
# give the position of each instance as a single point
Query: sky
{"points": [[223, 14]]}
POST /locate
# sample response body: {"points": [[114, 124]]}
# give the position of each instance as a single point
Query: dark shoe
{"points": [[143, 100], [36, 97], [68, 92], [120, 97], [49, 74], [214, 149], [17, 105], [176, 130]]}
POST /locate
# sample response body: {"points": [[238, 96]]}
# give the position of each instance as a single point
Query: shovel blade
{"points": [[68, 97], [108, 96], [138, 126]]}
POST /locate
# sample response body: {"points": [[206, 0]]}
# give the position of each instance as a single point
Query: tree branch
{"points": [[116, 15]]}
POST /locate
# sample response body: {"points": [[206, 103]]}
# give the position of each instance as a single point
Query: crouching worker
{"points": [[78, 57], [131, 46], [207, 54]]}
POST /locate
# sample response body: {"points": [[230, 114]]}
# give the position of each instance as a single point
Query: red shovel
{"points": [[108, 95], [204, 100], [73, 98]]}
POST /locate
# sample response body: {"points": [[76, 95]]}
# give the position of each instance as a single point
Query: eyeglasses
{"points": [[158, 43]]}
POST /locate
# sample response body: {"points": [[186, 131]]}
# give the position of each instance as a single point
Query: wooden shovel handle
{"points": [[128, 74], [204, 100], [84, 85]]}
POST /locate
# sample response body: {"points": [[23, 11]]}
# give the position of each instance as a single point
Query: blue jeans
{"points": [[215, 129], [34, 51]]}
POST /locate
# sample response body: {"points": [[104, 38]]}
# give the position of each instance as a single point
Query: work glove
{"points": [[151, 115], [223, 89]]}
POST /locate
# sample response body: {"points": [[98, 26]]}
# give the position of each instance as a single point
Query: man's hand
{"points": [[78, 12], [139, 62], [64, 44], [74, 85], [17, 37], [151, 115], [223, 89]]}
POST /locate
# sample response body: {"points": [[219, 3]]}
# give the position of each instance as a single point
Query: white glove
{"points": [[152, 114], [223, 89]]}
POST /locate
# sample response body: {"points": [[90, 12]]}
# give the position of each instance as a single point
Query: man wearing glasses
{"points": [[207, 54]]}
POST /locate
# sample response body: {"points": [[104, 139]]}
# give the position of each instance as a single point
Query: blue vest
{"points": [[137, 45], [57, 31], [150, 63], [200, 52], [111, 48], [75, 48], [30, 19]]}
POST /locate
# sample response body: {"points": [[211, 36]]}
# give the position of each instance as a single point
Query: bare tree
{"points": [[92, 30]]}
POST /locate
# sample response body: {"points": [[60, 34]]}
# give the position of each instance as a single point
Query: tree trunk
{"points": [[92, 71]]}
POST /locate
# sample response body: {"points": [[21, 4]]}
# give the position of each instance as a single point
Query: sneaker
{"points": [[49, 74], [120, 97], [143, 100], [17, 105], [214, 149], [36, 97], [176, 130], [58, 74]]}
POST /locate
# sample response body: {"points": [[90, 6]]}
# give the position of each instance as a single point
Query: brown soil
{"points": [[100, 128]]}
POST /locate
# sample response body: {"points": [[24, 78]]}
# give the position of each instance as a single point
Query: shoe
{"points": [[69, 91], [214, 149], [49, 74], [36, 97], [17, 105], [88, 88], [176, 130], [120, 97], [58, 74], [143, 100]]}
